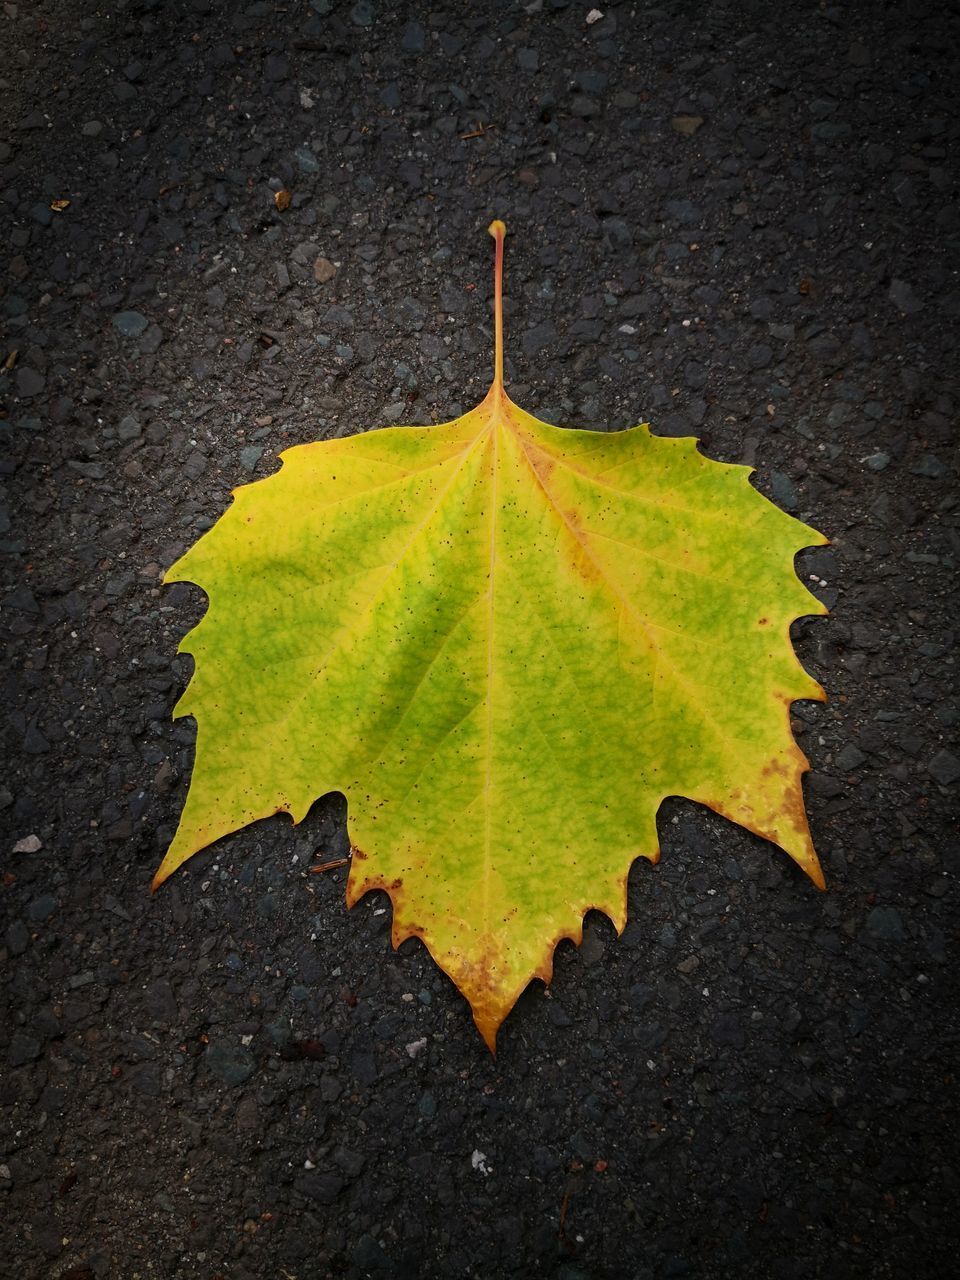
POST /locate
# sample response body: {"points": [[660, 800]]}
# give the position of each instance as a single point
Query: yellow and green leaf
{"points": [[506, 643]]}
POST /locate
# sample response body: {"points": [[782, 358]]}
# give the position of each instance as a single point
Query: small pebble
{"points": [[904, 298], [363, 13], [30, 383], [877, 461], [130, 324], [944, 768]]}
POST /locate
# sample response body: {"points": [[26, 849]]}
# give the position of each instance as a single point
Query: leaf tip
{"points": [[488, 1032], [497, 229]]}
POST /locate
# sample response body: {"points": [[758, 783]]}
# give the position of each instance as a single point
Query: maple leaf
{"points": [[506, 643]]}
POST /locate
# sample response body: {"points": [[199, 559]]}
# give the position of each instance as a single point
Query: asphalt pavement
{"points": [[230, 228]]}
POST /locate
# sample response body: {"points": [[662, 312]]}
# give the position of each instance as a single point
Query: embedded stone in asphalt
{"points": [[130, 324]]}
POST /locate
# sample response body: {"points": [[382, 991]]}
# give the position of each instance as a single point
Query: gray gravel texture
{"points": [[736, 219]]}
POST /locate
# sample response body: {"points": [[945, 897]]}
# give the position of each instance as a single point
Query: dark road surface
{"points": [[736, 220]]}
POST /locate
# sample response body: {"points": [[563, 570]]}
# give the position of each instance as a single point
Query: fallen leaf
{"points": [[506, 643], [58, 206], [281, 199]]}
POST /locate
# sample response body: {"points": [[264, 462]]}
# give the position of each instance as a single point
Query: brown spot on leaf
{"points": [[775, 765]]}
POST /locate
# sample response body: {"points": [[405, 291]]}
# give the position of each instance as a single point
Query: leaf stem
{"points": [[498, 231]]}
